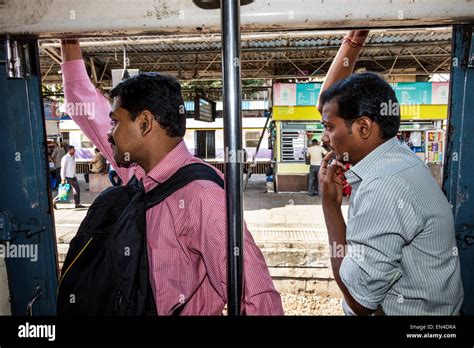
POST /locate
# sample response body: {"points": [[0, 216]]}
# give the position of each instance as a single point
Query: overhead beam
{"points": [[57, 18], [216, 62], [188, 76], [290, 50]]}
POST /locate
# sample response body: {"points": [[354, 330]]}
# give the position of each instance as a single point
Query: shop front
{"points": [[423, 112]]}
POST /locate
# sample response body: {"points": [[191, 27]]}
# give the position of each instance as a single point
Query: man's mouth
{"points": [[327, 147]]}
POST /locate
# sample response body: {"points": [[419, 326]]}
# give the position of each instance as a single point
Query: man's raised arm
{"points": [[85, 104], [344, 62]]}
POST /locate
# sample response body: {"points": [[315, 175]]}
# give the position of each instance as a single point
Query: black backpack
{"points": [[106, 267]]}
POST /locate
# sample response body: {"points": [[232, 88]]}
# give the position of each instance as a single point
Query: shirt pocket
{"points": [[166, 271]]}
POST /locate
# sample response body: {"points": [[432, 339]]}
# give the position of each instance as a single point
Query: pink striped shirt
{"points": [[186, 233]]}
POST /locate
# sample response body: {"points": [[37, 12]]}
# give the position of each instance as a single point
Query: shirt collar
{"points": [[362, 169], [167, 166]]}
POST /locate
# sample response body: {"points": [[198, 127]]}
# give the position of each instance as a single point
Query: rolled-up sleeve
{"points": [[383, 221]]}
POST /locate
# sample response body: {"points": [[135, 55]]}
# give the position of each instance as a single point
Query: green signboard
{"points": [[408, 93], [413, 92], [307, 94]]}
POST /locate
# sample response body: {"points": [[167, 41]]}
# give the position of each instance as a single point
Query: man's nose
{"points": [[325, 138]]}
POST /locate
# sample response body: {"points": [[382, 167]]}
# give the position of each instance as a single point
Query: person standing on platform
{"points": [[315, 154], [57, 154], [68, 175]]}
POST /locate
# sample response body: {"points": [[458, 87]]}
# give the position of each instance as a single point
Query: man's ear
{"points": [[364, 127], [145, 122]]}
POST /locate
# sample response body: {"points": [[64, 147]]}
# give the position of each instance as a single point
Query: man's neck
{"points": [[371, 148], [155, 157]]}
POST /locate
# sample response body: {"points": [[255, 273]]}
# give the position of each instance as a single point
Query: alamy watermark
{"points": [[391, 108], [21, 251], [37, 331], [73, 108], [342, 250], [233, 156]]}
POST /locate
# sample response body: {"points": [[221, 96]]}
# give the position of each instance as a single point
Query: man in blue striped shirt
{"points": [[401, 256]]}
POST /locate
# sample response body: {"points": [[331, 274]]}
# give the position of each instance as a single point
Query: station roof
{"points": [[265, 55]]}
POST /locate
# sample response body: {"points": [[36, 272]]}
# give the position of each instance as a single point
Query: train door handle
{"points": [[31, 303]]}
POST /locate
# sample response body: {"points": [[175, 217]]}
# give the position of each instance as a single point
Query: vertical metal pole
{"points": [[232, 97]]}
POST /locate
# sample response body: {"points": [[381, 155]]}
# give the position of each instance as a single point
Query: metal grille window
{"points": [[294, 141], [205, 143], [65, 137], [85, 142], [293, 146], [251, 139]]}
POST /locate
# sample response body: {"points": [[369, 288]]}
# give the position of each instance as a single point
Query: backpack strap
{"points": [[185, 175]]}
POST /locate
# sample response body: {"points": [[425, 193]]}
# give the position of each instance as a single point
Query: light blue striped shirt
{"points": [[402, 251]]}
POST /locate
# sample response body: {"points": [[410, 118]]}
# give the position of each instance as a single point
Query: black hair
{"points": [[314, 141], [160, 94], [366, 94], [69, 147]]}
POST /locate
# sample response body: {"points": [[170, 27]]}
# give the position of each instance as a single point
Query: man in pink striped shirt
{"points": [[141, 135]]}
